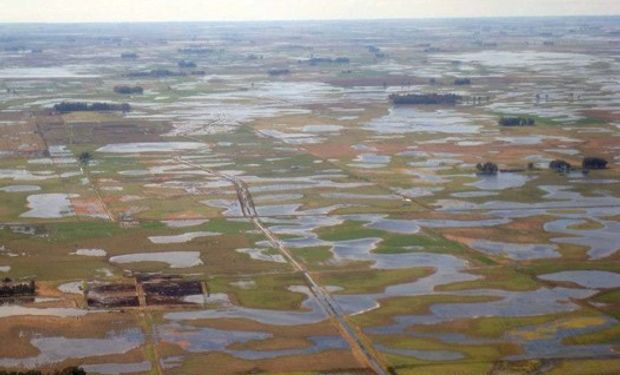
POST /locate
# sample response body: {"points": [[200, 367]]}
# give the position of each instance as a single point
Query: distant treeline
{"points": [[376, 51], [15, 49], [516, 121], [426, 99], [22, 49], [327, 60], [129, 55], [164, 73], [125, 89], [278, 71], [66, 371], [10, 288], [186, 64], [462, 81], [196, 50], [66, 107]]}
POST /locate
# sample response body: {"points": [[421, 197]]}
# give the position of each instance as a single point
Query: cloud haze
{"points": [[225, 10]]}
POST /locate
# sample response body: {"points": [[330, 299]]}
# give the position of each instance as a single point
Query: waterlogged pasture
{"points": [[215, 221]]}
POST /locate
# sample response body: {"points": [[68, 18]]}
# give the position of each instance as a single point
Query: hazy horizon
{"points": [[76, 11]]}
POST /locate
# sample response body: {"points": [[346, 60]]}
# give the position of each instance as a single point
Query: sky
{"points": [[242, 10]]}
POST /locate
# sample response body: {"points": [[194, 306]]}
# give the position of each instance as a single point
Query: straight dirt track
{"points": [[362, 351]]}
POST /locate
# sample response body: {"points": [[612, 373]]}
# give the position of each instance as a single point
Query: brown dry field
{"points": [[58, 130]]}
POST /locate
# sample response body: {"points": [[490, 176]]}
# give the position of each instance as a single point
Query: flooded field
{"points": [[277, 206]]}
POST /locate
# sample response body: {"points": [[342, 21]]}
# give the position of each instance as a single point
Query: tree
{"points": [[487, 169], [85, 157], [560, 166], [594, 163]]}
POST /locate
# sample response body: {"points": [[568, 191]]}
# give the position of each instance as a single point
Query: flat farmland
{"points": [[394, 197]]}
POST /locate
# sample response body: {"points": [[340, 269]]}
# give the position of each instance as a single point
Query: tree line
{"points": [[163, 73], [65, 371], [327, 60], [590, 162], [516, 121], [462, 81], [10, 288], [66, 107], [558, 165], [127, 90], [278, 71], [186, 64], [426, 99]]}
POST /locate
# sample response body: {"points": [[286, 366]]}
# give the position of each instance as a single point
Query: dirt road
{"points": [[361, 350]]}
